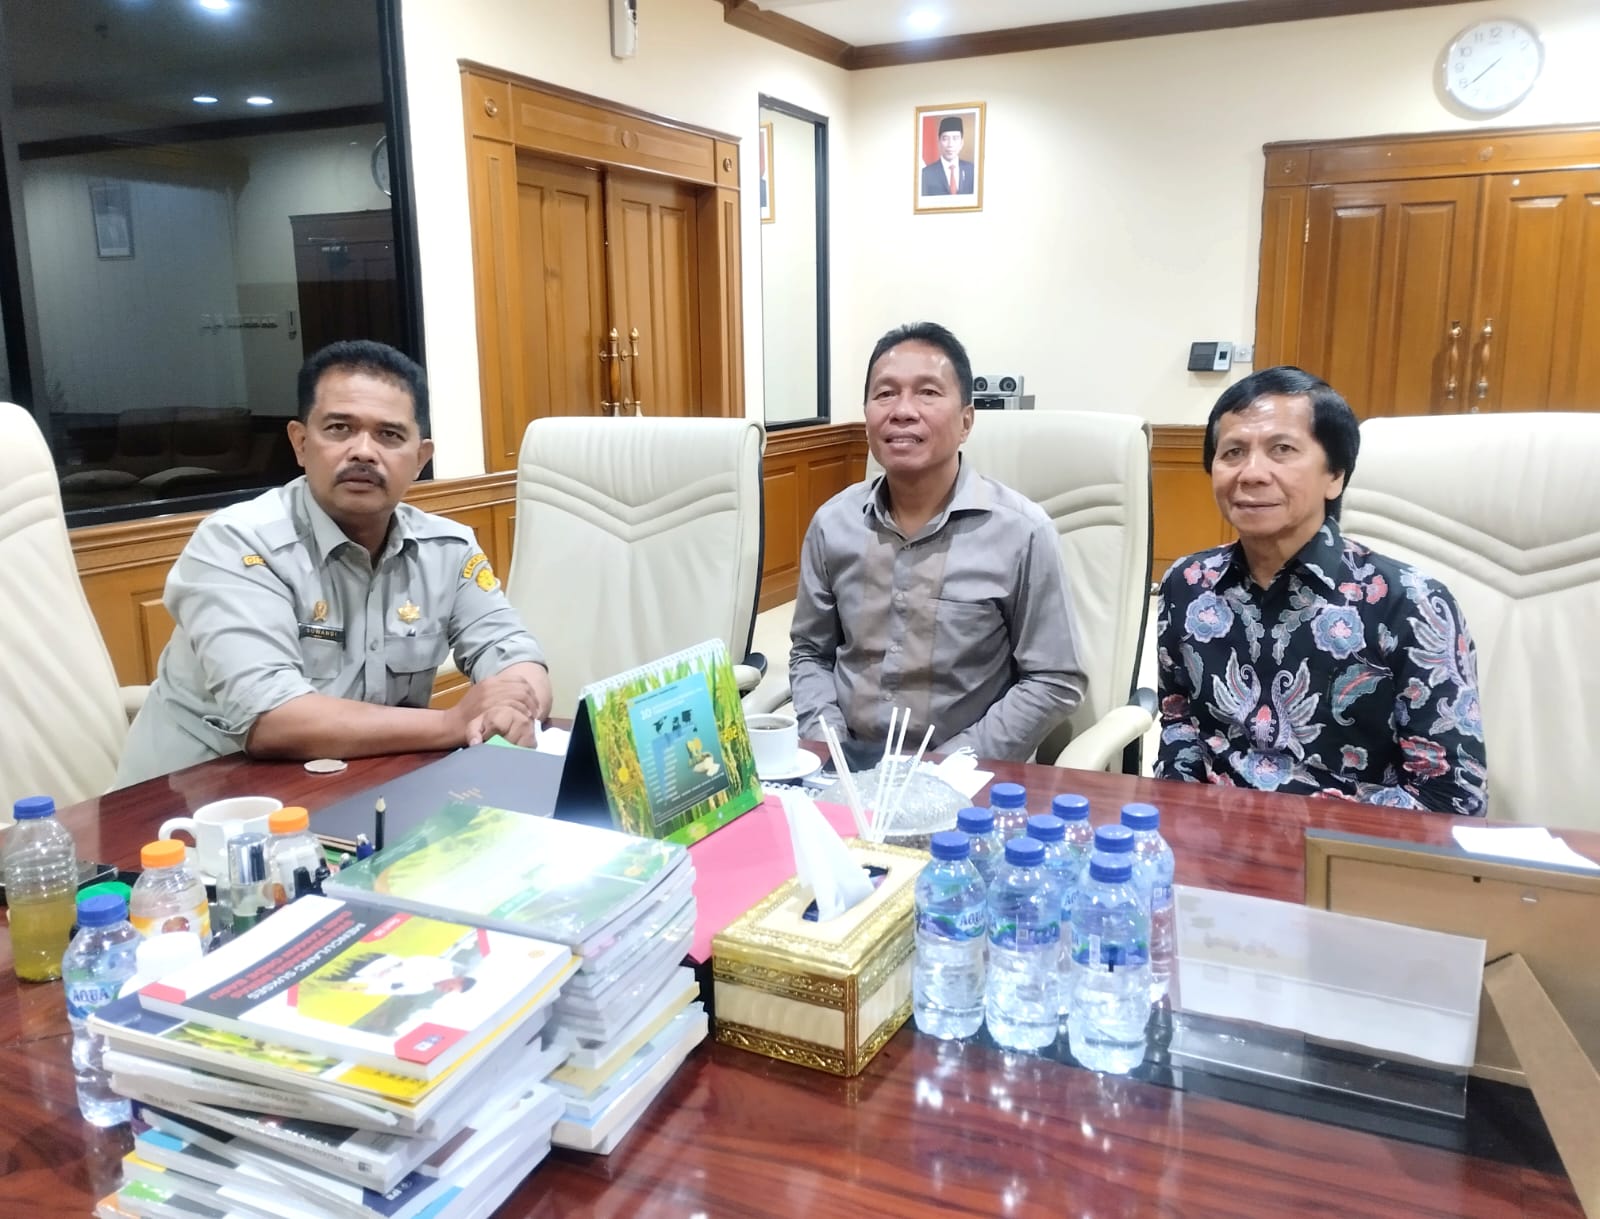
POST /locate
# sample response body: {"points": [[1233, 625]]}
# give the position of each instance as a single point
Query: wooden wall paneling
{"points": [[1184, 511], [1540, 292], [561, 214], [721, 304], [497, 263], [1283, 245], [594, 131], [1438, 155], [802, 469]]}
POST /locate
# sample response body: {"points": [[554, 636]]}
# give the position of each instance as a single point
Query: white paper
{"points": [[1397, 989], [553, 740], [961, 772], [1531, 843]]}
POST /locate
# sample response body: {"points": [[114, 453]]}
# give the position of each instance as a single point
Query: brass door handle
{"points": [[1483, 359], [636, 402], [1453, 363], [611, 376]]}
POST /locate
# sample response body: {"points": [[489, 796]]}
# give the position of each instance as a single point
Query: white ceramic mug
{"points": [[774, 740], [209, 824]]}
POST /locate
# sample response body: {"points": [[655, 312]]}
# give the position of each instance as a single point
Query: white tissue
{"points": [[822, 862]]}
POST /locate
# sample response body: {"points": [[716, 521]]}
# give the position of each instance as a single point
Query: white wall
{"points": [[789, 272], [1122, 204], [691, 66]]}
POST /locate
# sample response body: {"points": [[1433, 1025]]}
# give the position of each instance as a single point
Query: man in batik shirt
{"points": [[1295, 659]]}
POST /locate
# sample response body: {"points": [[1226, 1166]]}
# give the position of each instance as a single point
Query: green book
{"points": [[555, 880]]}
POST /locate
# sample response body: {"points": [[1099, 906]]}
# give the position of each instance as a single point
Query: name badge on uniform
{"points": [[311, 630]]}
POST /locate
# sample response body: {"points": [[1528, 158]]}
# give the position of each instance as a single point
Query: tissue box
{"points": [[823, 995]]}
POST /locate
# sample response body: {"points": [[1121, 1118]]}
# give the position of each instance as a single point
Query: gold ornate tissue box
{"points": [[823, 995]]}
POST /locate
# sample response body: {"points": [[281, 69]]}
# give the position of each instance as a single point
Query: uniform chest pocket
{"points": [[321, 659], [415, 653]]}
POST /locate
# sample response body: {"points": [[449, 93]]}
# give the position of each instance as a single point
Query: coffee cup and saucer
{"points": [[775, 743], [208, 827]]}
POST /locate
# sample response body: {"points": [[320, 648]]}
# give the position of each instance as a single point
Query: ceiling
{"points": [[97, 67], [870, 22]]}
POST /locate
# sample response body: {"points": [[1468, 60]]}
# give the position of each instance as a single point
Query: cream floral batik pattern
{"points": [[1352, 675]]}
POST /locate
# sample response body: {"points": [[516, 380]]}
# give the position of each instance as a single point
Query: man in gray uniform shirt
{"points": [[311, 619], [932, 587]]}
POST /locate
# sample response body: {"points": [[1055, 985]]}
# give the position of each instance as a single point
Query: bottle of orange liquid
{"points": [[41, 867], [169, 895]]}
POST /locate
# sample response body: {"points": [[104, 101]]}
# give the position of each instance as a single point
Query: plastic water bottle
{"points": [[987, 851], [1061, 876], [1024, 950], [41, 867], [294, 856], [1152, 872], [1110, 1003], [169, 895], [1074, 810], [98, 961], [1009, 803], [952, 919]]}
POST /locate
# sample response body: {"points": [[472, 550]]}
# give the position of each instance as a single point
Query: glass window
{"points": [[199, 197]]}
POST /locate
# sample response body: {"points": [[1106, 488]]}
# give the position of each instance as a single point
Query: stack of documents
{"points": [[340, 1059], [625, 905]]}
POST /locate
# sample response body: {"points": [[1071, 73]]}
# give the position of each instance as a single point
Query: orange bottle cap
{"points": [[288, 820], [165, 853]]}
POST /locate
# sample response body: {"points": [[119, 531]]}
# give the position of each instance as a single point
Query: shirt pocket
{"points": [[963, 626], [412, 661], [321, 660]]}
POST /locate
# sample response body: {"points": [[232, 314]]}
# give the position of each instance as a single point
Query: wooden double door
{"points": [[607, 250], [1442, 293]]}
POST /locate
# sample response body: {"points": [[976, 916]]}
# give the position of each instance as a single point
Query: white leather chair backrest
{"points": [[635, 537], [1505, 511], [1090, 472], [62, 722]]}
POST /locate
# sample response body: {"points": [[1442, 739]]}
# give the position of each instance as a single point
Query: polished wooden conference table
{"points": [[928, 1128]]}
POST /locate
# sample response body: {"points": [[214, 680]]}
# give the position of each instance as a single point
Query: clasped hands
{"points": [[508, 704]]}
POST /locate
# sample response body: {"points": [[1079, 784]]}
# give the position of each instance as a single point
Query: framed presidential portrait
{"points": [[769, 201], [113, 219], [947, 173]]}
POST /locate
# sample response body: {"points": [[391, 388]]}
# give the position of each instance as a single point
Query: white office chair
{"points": [[1505, 511], [635, 538], [1090, 472], [63, 718]]}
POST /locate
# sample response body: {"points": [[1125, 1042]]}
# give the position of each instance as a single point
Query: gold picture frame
{"points": [[768, 187], [947, 145]]}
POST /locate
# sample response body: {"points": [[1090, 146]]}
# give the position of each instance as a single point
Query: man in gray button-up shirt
{"points": [[932, 587], [311, 619]]}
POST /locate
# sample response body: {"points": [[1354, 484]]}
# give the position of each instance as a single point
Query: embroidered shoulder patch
{"points": [[254, 560], [480, 557], [486, 580]]}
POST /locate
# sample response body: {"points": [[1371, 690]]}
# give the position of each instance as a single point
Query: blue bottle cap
{"points": [[1110, 869], [1141, 816], [1025, 852], [1008, 795], [950, 844], [1070, 807], [1113, 839], [975, 820], [101, 910], [1046, 828], [29, 807]]}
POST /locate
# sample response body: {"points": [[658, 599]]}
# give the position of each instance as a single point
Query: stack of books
{"points": [[340, 1059], [629, 1016]]}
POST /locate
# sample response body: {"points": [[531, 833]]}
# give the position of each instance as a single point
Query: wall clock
{"points": [[380, 163], [1491, 65]]}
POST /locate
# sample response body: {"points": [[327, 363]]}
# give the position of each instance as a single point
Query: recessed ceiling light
{"points": [[924, 20], [203, 99], [216, 6], [258, 100]]}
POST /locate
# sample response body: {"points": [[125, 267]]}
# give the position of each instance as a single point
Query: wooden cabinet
{"points": [[589, 217], [1437, 274]]}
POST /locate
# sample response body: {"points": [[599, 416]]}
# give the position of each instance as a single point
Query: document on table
{"points": [[1530, 843], [1396, 989]]}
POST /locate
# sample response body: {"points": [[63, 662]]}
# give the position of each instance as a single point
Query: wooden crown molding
{"points": [[1232, 14]]}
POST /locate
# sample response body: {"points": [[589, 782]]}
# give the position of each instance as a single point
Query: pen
{"points": [[363, 847], [377, 824]]}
